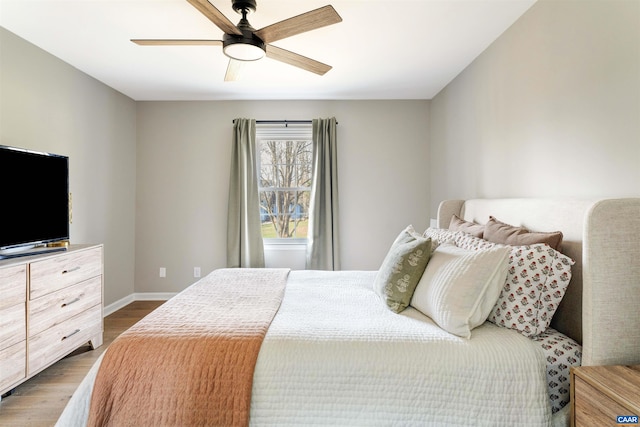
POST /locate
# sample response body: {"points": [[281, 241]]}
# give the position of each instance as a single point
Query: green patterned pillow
{"points": [[402, 269]]}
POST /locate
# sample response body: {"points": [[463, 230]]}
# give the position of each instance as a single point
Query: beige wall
{"points": [[177, 156], [47, 105], [184, 151], [551, 109]]}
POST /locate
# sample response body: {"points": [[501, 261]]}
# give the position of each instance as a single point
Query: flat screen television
{"points": [[35, 201]]}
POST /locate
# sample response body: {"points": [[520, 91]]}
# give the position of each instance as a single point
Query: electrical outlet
{"points": [[196, 271], [163, 272]]}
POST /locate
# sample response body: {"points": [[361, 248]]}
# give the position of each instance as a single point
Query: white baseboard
{"points": [[138, 296]]}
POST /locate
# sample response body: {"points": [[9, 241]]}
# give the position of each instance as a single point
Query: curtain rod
{"points": [[273, 122], [284, 122]]}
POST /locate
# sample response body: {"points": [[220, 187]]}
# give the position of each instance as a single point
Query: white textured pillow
{"points": [[459, 287], [441, 235]]}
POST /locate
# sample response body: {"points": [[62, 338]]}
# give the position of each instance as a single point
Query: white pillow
{"points": [[440, 235], [459, 287]]}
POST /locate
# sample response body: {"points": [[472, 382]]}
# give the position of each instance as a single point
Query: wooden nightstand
{"points": [[599, 394]]}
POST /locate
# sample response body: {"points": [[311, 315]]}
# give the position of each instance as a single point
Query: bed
{"points": [[334, 354]]}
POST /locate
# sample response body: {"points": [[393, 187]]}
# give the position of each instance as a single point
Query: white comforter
{"points": [[334, 355]]}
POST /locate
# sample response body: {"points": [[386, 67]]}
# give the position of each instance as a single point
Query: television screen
{"points": [[35, 197]]}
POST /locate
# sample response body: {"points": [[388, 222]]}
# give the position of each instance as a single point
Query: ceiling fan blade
{"points": [[296, 60], [215, 16], [169, 42], [234, 70], [308, 21]]}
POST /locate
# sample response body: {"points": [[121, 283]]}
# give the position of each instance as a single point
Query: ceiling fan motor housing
{"points": [[244, 5], [246, 38]]}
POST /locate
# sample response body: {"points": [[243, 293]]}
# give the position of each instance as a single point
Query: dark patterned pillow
{"points": [[554, 288], [518, 306], [537, 280]]}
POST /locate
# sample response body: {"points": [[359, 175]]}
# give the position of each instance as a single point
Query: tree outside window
{"points": [[285, 187]]}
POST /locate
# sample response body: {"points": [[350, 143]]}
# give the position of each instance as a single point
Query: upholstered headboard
{"points": [[601, 308]]}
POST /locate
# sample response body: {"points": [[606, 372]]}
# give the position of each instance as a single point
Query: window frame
{"points": [[283, 133]]}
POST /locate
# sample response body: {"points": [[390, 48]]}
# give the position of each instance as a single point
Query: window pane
{"points": [[284, 213], [285, 184]]}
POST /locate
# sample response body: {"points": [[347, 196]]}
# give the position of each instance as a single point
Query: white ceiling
{"points": [[405, 49]]}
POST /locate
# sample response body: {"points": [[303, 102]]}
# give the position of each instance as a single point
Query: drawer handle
{"points": [[70, 302], [71, 270], [70, 335]]}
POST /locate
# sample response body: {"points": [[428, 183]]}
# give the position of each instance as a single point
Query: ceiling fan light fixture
{"points": [[246, 47], [243, 51]]}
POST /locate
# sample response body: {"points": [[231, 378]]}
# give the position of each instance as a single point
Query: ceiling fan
{"points": [[242, 42]]}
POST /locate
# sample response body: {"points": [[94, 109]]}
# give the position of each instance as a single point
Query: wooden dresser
{"points": [[600, 394], [49, 306]]}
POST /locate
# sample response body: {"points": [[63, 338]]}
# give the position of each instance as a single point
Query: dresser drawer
{"points": [[61, 271], [54, 308], [13, 328], [56, 342], [13, 285], [12, 365]]}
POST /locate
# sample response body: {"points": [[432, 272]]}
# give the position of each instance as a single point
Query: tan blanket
{"points": [[191, 361]]}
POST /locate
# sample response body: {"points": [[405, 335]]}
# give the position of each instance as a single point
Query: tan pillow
{"points": [[498, 232], [459, 224]]}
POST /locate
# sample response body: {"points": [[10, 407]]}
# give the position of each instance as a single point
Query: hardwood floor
{"points": [[40, 400]]}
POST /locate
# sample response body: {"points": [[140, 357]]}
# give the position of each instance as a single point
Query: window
{"points": [[285, 163]]}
